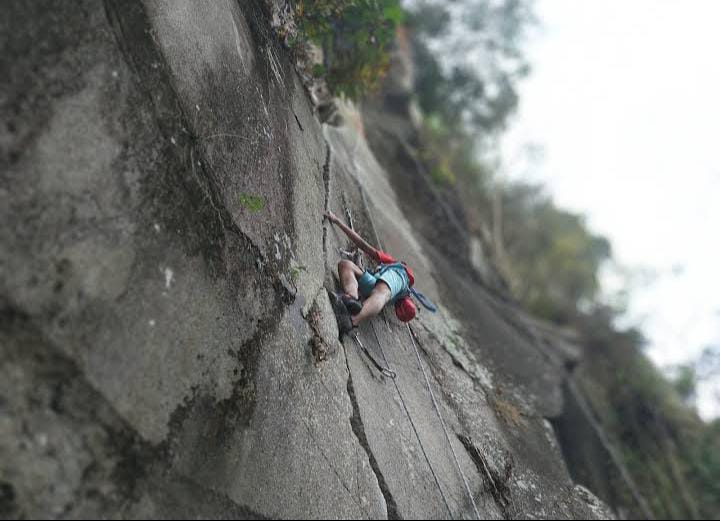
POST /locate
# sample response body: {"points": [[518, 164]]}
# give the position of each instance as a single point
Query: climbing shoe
{"points": [[342, 314], [353, 305]]}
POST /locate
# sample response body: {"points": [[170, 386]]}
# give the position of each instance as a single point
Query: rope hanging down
{"points": [[412, 424], [427, 382], [442, 422], [397, 388]]}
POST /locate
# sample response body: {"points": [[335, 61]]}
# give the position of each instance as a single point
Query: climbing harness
{"points": [[384, 370]]}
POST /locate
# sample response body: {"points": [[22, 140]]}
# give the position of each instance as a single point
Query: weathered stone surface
{"points": [[168, 349]]}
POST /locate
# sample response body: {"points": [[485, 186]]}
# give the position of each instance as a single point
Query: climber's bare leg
{"points": [[373, 305], [349, 273]]}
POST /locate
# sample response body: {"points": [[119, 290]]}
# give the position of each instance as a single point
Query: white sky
{"points": [[624, 98]]}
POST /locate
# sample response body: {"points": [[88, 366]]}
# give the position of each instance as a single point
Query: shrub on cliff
{"points": [[354, 36]]}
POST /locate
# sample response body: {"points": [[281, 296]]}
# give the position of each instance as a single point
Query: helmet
{"points": [[405, 309]]}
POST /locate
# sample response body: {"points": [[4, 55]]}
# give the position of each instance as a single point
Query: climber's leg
{"points": [[374, 304], [349, 274]]}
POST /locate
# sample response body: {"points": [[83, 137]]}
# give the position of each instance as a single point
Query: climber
{"points": [[391, 281]]}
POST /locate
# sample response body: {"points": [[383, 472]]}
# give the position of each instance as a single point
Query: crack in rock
{"points": [[496, 484], [326, 183], [320, 348], [359, 429]]}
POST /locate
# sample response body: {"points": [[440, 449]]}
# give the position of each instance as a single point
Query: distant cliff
{"points": [[168, 348]]}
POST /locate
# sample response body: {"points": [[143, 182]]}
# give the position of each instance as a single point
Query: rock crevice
{"points": [[359, 431]]}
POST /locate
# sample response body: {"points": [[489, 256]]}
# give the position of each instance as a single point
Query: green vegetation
{"points": [[295, 271], [253, 203], [672, 455], [685, 383], [469, 60], [354, 36], [549, 256], [552, 260], [436, 153]]}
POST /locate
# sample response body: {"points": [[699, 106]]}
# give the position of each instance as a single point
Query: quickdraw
{"points": [[384, 370]]}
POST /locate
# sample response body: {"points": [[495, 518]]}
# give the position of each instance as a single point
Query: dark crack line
{"points": [[202, 186], [358, 428], [496, 485], [298, 122], [326, 183], [357, 454]]}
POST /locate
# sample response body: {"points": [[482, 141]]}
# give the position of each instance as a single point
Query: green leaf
{"points": [[253, 203], [394, 13]]}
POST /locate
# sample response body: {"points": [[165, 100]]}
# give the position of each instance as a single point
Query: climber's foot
{"points": [[344, 321], [353, 305]]}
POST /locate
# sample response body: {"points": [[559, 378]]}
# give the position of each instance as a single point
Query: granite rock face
{"points": [[168, 348]]}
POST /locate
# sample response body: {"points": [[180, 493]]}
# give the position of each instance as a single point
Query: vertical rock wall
{"points": [[166, 343]]}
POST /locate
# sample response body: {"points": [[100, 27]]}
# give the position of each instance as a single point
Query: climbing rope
{"points": [[427, 382], [393, 376], [412, 424], [384, 370], [442, 422]]}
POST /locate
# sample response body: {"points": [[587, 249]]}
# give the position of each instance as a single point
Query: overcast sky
{"points": [[624, 99]]}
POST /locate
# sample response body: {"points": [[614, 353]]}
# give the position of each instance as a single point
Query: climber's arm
{"points": [[354, 237]]}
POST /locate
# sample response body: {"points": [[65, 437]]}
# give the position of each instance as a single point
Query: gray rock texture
{"points": [[167, 347]]}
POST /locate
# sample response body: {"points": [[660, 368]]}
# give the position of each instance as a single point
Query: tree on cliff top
{"points": [[354, 36]]}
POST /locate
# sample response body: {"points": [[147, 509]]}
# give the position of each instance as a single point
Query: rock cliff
{"points": [[168, 348]]}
